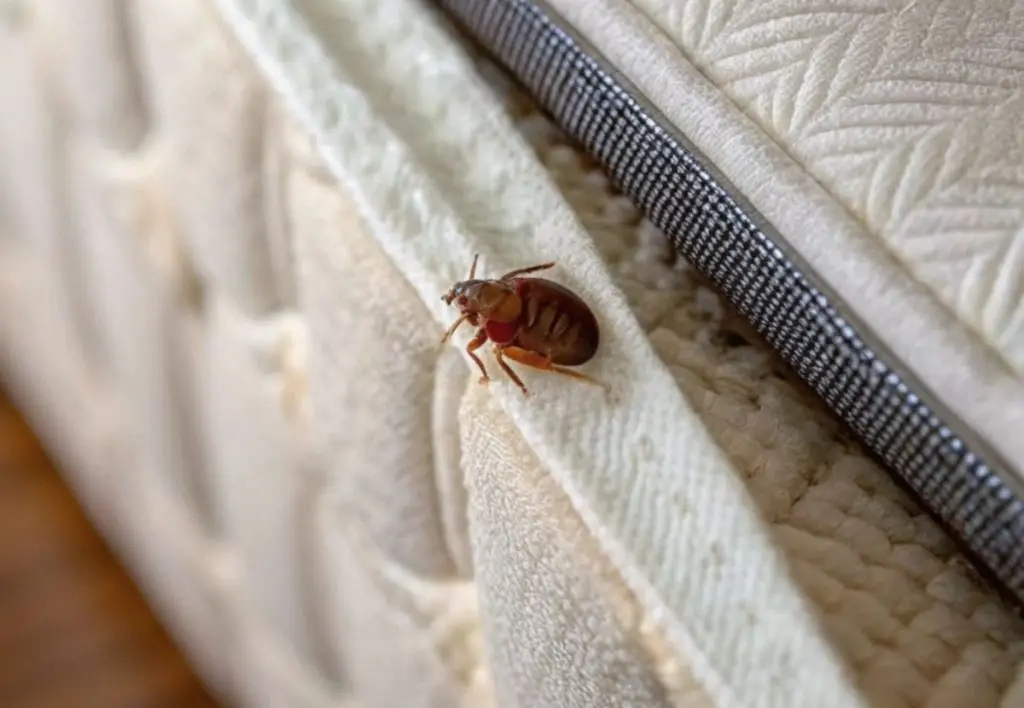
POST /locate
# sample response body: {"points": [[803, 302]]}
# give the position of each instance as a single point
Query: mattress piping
{"points": [[957, 478]]}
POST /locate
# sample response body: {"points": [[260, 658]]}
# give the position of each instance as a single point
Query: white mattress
{"points": [[882, 142], [224, 231]]}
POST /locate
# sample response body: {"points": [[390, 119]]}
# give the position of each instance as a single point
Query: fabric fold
{"points": [[447, 178], [953, 364]]}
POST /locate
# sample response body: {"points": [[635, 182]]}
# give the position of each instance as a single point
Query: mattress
{"points": [[225, 230]]}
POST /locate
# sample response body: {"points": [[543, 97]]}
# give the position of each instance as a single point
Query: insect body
{"points": [[532, 321]]}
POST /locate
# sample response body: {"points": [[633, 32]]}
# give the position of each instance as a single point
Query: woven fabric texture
{"points": [[884, 104], [219, 303], [819, 212]]}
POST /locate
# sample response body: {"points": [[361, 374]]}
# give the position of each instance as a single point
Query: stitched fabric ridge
{"points": [[857, 545], [907, 112], [629, 516], [962, 374]]}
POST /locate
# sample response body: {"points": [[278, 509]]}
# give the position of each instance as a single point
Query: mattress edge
{"points": [[433, 246]]}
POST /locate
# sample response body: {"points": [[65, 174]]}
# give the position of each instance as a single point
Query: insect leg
{"points": [[498, 354], [539, 361], [474, 344], [451, 330], [528, 269]]}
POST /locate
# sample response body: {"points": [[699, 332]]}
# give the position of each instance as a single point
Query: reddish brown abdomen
{"points": [[555, 322], [502, 332]]}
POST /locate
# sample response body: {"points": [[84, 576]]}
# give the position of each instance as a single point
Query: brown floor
{"points": [[74, 630]]}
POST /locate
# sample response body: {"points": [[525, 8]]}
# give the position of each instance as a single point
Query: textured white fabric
{"points": [[133, 273], [430, 228], [535, 557], [404, 640], [187, 63], [88, 37], [379, 447], [103, 338], [859, 548], [402, 607], [30, 180], [322, 504], [257, 435], [836, 239], [909, 113], [449, 387]]}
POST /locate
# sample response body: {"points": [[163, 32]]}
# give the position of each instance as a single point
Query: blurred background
{"points": [[74, 628]]}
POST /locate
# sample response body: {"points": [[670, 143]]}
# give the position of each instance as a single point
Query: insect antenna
{"points": [[472, 268]]}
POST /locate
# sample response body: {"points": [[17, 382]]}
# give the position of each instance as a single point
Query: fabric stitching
{"points": [[277, 32], [884, 201]]}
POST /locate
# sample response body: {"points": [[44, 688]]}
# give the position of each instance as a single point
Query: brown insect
{"points": [[532, 321]]}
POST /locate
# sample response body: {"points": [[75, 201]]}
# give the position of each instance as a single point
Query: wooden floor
{"points": [[74, 630]]}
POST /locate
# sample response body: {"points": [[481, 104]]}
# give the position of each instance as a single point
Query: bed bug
{"points": [[532, 321]]}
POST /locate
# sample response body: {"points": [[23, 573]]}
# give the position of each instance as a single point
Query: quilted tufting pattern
{"points": [[253, 402], [170, 327]]}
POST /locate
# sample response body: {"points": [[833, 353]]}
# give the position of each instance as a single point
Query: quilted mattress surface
{"points": [[225, 227]]}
